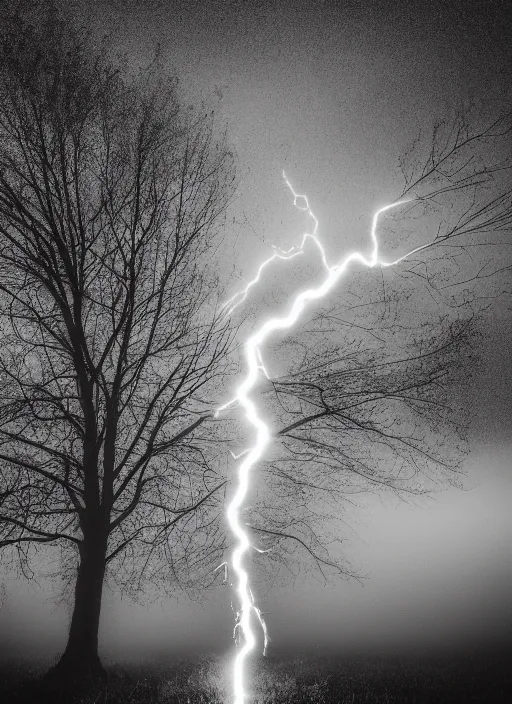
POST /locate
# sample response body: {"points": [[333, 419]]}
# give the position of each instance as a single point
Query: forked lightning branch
{"points": [[254, 359]]}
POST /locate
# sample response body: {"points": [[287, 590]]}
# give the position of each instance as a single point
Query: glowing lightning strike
{"points": [[255, 365]]}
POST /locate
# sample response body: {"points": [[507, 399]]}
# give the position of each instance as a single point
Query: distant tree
{"points": [[372, 396], [111, 343]]}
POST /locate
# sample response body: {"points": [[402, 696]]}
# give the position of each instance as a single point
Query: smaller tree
{"points": [[371, 397]]}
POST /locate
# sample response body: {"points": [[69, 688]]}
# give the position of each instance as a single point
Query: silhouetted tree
{"points": [[111, 196], [371, 397]]}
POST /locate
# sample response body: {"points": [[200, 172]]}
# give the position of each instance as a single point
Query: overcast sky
{"points": [[333, 92]]}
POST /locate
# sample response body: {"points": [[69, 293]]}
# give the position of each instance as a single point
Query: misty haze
{"points": [[174, 178]]}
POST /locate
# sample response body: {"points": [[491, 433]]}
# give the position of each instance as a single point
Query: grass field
{"points": [[286, 680]]}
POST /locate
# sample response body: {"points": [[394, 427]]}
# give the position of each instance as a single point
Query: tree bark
{"points": [[80, 661]]}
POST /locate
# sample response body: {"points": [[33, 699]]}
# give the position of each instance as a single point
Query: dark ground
{"points": [[298, 679]]}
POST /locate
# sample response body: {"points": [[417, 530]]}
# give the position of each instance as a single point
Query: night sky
{"points": [[333, 92]]}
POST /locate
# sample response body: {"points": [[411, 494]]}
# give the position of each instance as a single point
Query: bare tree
{"points": [[462, 179], [371, 400], [111, 344]]}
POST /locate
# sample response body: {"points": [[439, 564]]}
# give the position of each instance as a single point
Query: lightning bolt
{"points": [[255, 365]]}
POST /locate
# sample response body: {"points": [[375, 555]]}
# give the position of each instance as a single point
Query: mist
{"points": [[334, 100]]}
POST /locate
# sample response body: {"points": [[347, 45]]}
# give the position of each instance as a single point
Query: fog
{"points": [[334, 100], [436, 573], [437, 576]]}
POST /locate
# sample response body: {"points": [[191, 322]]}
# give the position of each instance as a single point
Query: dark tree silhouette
{"points": [[110, 203]]}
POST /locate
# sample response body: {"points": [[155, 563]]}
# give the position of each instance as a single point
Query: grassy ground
{"points": [[289, 680]]}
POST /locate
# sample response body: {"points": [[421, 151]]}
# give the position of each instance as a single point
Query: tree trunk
{"points": [[80, 662]]}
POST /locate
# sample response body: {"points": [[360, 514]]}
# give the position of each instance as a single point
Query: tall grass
{"points": [[289, 680]]}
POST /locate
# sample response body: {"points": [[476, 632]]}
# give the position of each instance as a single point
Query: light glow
{"points": [[254, 360]]}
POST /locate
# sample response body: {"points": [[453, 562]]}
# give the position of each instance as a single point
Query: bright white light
{"points": [[255, 365]]}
